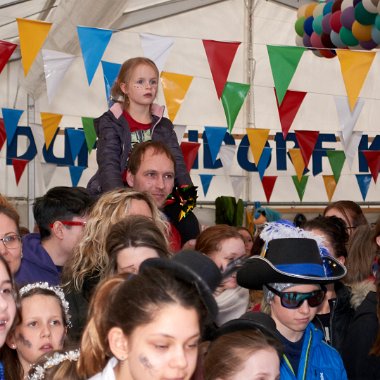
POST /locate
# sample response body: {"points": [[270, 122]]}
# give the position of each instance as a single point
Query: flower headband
{"points": [[57, 358], [55, 289]]}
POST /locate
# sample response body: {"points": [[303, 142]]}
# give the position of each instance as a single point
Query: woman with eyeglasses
{"points": [[292, 272]]}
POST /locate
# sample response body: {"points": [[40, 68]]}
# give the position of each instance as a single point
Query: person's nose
{"points": [[3, 248], [179, 359], [304, 308], [45, 330], [160, 182]]}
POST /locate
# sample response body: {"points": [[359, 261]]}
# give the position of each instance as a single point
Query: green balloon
{"points": [[377, 22], [347, 37], [363, 16], [299, 26], [317, 24]]}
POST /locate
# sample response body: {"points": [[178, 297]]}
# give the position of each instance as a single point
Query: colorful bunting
{"points": [[306, 141], [76, 140], [215, 136], [39, 139], [110, 73], [226, 154], [32, 34], [330, 185], [268, 185], [18, 168], [350, 147], [264, 161], [50, 123], [232, 99], [190, 152], [206, 180], [6, 50], [354, 66], [283, 61], [93, 43], [3, 134], [237, 182], [175, 87], [288, 109], [89, 132], [47, 172], [373, 161], [11, 118], [364, 180], [75, 174], [257, 139], [336, 159], [297, 161], [179, 131], [300, 185]]}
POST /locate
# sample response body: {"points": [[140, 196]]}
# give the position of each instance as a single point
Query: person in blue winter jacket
{"points": [[292, 272]]}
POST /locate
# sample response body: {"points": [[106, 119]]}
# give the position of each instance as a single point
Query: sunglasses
{"points": [[293, 300]]}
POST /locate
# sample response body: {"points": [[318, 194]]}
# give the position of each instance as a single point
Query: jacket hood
{"points": [[359, 292], [34, 252], [156, 110]]}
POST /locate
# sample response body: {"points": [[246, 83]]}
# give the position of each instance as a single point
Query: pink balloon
{"points": [[315, 40]]}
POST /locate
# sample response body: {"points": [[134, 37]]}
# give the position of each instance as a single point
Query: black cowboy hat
{"points": [[195, 268], [290, 260]]}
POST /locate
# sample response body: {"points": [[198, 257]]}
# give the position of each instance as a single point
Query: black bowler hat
{"points": [[195, 268]]}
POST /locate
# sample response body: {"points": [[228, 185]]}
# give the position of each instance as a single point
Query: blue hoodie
{"points": [[36, 264]]}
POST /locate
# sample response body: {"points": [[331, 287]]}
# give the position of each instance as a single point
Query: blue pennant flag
{"points": [[215, 136], [76, 141], [93, 43], [110, 72], [11, 118], [75, 174], [264, 161], [206, 180], [364, 180]]}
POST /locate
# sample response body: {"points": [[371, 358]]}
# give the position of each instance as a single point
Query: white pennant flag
{"points": [[157, 48], [350, 146], [39, 139], [47, 172], [347, 119], [179, 131], [227, 154], [237, 182], [56, 64]]}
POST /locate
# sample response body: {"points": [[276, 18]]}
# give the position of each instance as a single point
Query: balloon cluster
{"points": [[353, 24]]}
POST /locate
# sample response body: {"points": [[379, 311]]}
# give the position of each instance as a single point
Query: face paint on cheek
{"points": [[138, 86], [25, 342], [146, 363]]}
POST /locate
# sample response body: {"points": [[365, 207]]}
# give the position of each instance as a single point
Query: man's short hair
{"points": [[135, 158], [60, 203]]}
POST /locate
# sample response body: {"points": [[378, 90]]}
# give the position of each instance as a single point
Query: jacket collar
{"points": [[156, 110]]}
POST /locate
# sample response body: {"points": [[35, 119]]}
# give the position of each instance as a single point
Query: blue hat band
{"points": [[302, 269]]}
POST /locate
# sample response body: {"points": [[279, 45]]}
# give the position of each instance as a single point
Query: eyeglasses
{"points": [[11, 241], [293, 300], [69, 223]]}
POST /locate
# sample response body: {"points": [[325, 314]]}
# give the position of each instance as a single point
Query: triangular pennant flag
{"points": [[50, 123], [264, 160], [3, 134], [76, 141], [39, 139], [89, 132], [110, 73], [220, 56], [215, 136], [75, 174], [157, 48], [330, 185], [257, 139], [226, 154], [32, 34], [190, 152], [206, 180], [288, 109], [268, 185], [364, 180], [56, 64], [6, 50], [93, 43], [336, 159], [354, 66], [47, 172], [283, 61], [19, 167], [232, 99], [373, 161], [175, 87], [11, 118], [179, 131], [306, 141], [237, 182], [350, 147], [300, 185], [347, 119], [297, 161]]}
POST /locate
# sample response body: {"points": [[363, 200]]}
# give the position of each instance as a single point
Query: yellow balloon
{"points": [[310, 9], [361, 32]]}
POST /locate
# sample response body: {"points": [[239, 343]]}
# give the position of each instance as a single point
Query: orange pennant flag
{"points": [[175, 87], [298, 162], [257, 139], [50, 123], [32, 34], [330, 185], [354, 66]]}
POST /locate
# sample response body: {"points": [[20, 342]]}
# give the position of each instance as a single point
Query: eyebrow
{"points": [[6, 282], [172, 337]]}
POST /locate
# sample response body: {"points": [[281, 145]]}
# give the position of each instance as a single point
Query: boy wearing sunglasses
{"points": [[293, 272]]}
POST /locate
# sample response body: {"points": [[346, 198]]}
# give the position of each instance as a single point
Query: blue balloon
{"points": [[308, 25]]}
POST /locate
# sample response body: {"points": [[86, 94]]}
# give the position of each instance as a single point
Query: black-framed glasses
{"points": [[293, 300], [11, 241]]}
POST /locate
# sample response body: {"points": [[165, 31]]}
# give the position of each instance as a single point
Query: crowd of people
{"points": [[119, 280]]}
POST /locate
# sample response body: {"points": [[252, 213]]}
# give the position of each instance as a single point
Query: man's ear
{"points": [[130, 179], [118, 343], [378, 240], [57, 229]]}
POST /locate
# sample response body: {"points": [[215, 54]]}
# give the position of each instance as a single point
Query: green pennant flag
{"points": [[300, 185], [336, 159], [89, 132], [232, 99], [283, 61]]}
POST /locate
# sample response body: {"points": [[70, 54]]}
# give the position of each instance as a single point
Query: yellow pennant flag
{"points": [[257, 139], [50, 123], [298, 162], [354, 66], [32, 34], [175, 87], [330, 185]]}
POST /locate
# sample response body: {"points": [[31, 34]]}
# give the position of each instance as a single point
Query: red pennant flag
{"points": [[19, 167], [288, 109], [306, 141], [3, 134], [6, 50], [189, 151], [220, 56], [373, 161], [268, 184]]}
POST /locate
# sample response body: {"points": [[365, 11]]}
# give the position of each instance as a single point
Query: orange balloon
{"points": [[310, 9], [361, 32]]}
